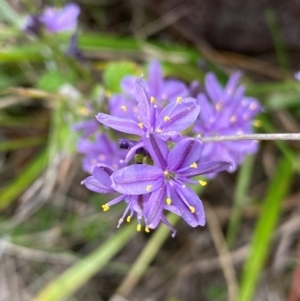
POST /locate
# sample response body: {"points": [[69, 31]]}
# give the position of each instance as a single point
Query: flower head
{"points": [[173, 119], [100, 182], [166, 180]]}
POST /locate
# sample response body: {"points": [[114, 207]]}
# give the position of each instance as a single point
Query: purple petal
{"points": [[232, 83], [207, 110], [198, 217], [213, 88], [173, 89], [128, 85], [155, 78], [205, 168], [123, 125], [177, 117], [120, 106], [93, 184], [184, 153], [154, 207], [157, 149], [137, 179], [143, 102]]}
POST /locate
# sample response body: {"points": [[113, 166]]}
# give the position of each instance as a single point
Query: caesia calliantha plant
{"points": [[171, 161]]}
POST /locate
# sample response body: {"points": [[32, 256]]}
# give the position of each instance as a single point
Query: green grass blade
{"points": [[8, 14], [240, 199], [20, 143], [261, 239], [72, 279], [33, 169]]}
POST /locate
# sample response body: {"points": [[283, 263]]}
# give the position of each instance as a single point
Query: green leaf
{"points": [[264, 229], [33, 169], [115, 71], [77, 275]]}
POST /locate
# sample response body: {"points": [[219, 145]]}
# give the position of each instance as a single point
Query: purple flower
{"points": [[101, 150], [88, 127], [166, 180], [297, 75], [160, 89], [58, 20], [173, 119], [226, 112], [100, 182]]}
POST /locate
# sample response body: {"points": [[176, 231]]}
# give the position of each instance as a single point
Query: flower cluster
{"points": [[153, 167], [226, 112]]}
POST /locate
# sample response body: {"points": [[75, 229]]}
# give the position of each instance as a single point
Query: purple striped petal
{"points": [[205, 168], [123, 125], [155, 78], [93, 184], [184, 153], [137, 179], [154, 207], [176, 117], [157, 148], [184, 196], [143, 102]]}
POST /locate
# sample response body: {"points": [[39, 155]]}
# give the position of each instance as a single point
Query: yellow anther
{"points": [[141, 125], [124, 108], [108, 94], [128, 219], [152, 99], [158, 130], [233, 118], [257, 123], [194, 165], [166, 118], [105, 207], [166, 172], [139, 227], [83, 111], [148, 188], [179, 99], [253, 106], [168, 201], [147, 230], [218, 106], [202, 183], [192, 209]]}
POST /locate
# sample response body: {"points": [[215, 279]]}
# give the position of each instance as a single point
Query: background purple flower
{"points": [[100, 150], [226, 111], [58, 20]]}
